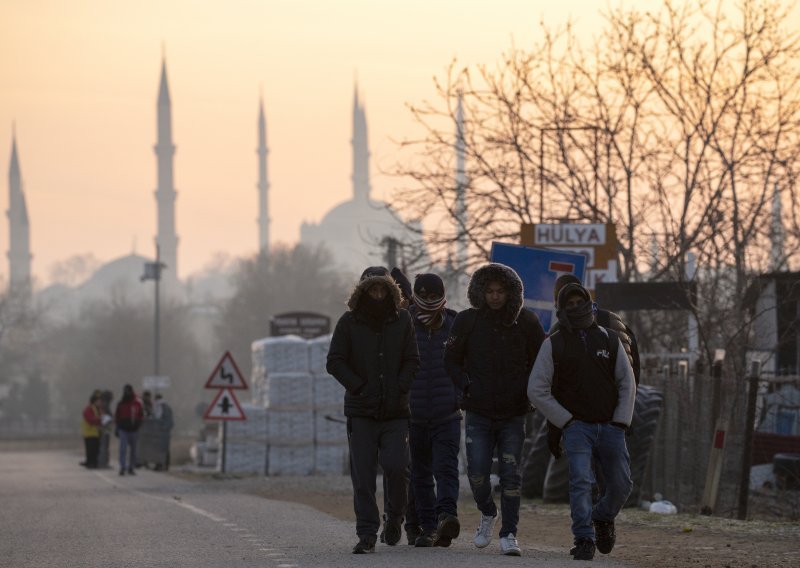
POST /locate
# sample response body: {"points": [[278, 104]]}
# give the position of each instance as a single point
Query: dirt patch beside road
{"points": [[644, 539]]}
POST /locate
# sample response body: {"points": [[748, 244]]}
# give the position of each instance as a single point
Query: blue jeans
{"points": [[434, 455], [482, 436], [606, 444], [127, 440]]}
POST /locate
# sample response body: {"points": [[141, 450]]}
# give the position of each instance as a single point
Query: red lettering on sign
{"points": [[556, 266]]}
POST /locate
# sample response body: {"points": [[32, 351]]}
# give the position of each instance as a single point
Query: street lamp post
{"points": [[152, 271]]}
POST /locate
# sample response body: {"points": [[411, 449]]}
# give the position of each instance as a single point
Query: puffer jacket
{"points": [[376, 368], [434, 397], [490, 354]]}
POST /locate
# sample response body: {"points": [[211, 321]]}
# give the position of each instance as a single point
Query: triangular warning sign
{"points": [[225, 407], [226, 375]]}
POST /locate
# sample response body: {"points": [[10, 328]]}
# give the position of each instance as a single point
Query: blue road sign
{"points": [[538, 268]]}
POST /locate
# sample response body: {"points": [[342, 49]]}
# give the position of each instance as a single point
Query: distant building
{"points": [[165, 193], [361, 231], [19, 242]]}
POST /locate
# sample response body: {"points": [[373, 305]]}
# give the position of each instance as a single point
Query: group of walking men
{"points": [[410, 366]]}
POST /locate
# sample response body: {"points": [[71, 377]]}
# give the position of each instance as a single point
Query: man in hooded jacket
{"points": [[586, 389], [489, 355], [374, 355]]}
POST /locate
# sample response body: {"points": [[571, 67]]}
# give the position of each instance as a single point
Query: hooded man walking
{"points": [[435, 418], [374, 355], [489, 356], [583, 383]]}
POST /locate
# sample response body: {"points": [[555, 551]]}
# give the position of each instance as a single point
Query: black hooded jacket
{"points": [[376, 367], [490, 353]]}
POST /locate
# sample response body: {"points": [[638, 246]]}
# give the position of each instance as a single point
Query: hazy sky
{"points": [[80, 79]]}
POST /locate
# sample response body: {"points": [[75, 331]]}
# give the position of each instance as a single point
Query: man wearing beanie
{"points": [[373, 354], [489, 356], [583, 383], [435, 418]]}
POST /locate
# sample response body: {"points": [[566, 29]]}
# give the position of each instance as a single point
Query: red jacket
{"points": [[129, 415]]}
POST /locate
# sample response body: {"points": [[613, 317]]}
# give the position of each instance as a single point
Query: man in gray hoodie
{"points": [[583, 383]]}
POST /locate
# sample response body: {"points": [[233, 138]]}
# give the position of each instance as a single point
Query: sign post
{"points": [[226, 378], [597, 240]]}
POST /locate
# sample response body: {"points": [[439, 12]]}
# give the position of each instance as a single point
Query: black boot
{"points": [[605, 535], [447, 529], [365, 544], [426, 539], [583, 549]]}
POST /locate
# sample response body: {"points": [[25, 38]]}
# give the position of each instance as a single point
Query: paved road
{"points": [[54, 513]]}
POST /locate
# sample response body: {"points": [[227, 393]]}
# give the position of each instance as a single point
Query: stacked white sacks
{"points": [[245, 443], [330, 429]]}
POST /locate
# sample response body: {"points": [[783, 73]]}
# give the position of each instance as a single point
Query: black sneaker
{"points": [[365, 544], [605, 535], [447, 529], [583, 549], [122, 472], [426, 539], [392, 531], [412, 534], [131, 471]]}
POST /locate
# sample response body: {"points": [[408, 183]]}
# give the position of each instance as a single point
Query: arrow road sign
{"points": [[225, 407], [226, 375]]}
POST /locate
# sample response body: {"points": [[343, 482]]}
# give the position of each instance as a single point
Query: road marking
{"points": [[203, 513]]}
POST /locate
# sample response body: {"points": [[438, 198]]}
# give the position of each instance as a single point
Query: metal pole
{"points": [[157, 314], [541, 175], [750, 418], [224, 443]]}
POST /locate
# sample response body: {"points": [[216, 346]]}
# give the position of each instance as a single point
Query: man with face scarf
{"points": [[374, 355], [588, 393], [435, 418]]}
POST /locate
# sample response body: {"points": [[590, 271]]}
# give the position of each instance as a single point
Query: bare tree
{"points": [[674, 125]]}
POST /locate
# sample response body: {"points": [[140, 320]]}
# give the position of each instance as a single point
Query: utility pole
{"points": [[152, 271]]}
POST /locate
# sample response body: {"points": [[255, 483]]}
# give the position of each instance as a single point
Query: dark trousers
{"points": [[92, 448], [484, 436], [434, 457], [372, 442]]}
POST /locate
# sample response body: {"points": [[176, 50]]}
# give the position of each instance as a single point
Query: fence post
{"points": [[714, 472], [744, 479]]}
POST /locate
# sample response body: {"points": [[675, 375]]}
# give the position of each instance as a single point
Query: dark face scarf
{"points": [[579, 317], [430, 313], [375, 311]]}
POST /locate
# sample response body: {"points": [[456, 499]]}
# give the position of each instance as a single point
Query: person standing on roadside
{"points": [[103, 457], [435, 418], [128, 417], [373, 354], [91, 423], [489, 356], [583, 383]]}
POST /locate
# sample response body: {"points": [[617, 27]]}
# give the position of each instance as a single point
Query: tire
{"points": [[646, 415], [536, 457], [556, 482]]}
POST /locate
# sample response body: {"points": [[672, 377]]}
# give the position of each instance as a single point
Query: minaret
{"points": [[462, 243], [19, 245], [165, 193], [776, 256], [263, 184], [361, 188]]}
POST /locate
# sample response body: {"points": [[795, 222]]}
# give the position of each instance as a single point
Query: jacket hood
{"points": [[507, 276], [362, 287]]}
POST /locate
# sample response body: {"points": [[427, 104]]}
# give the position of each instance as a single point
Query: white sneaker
{"points": [[509, 546], [483, 536]]}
